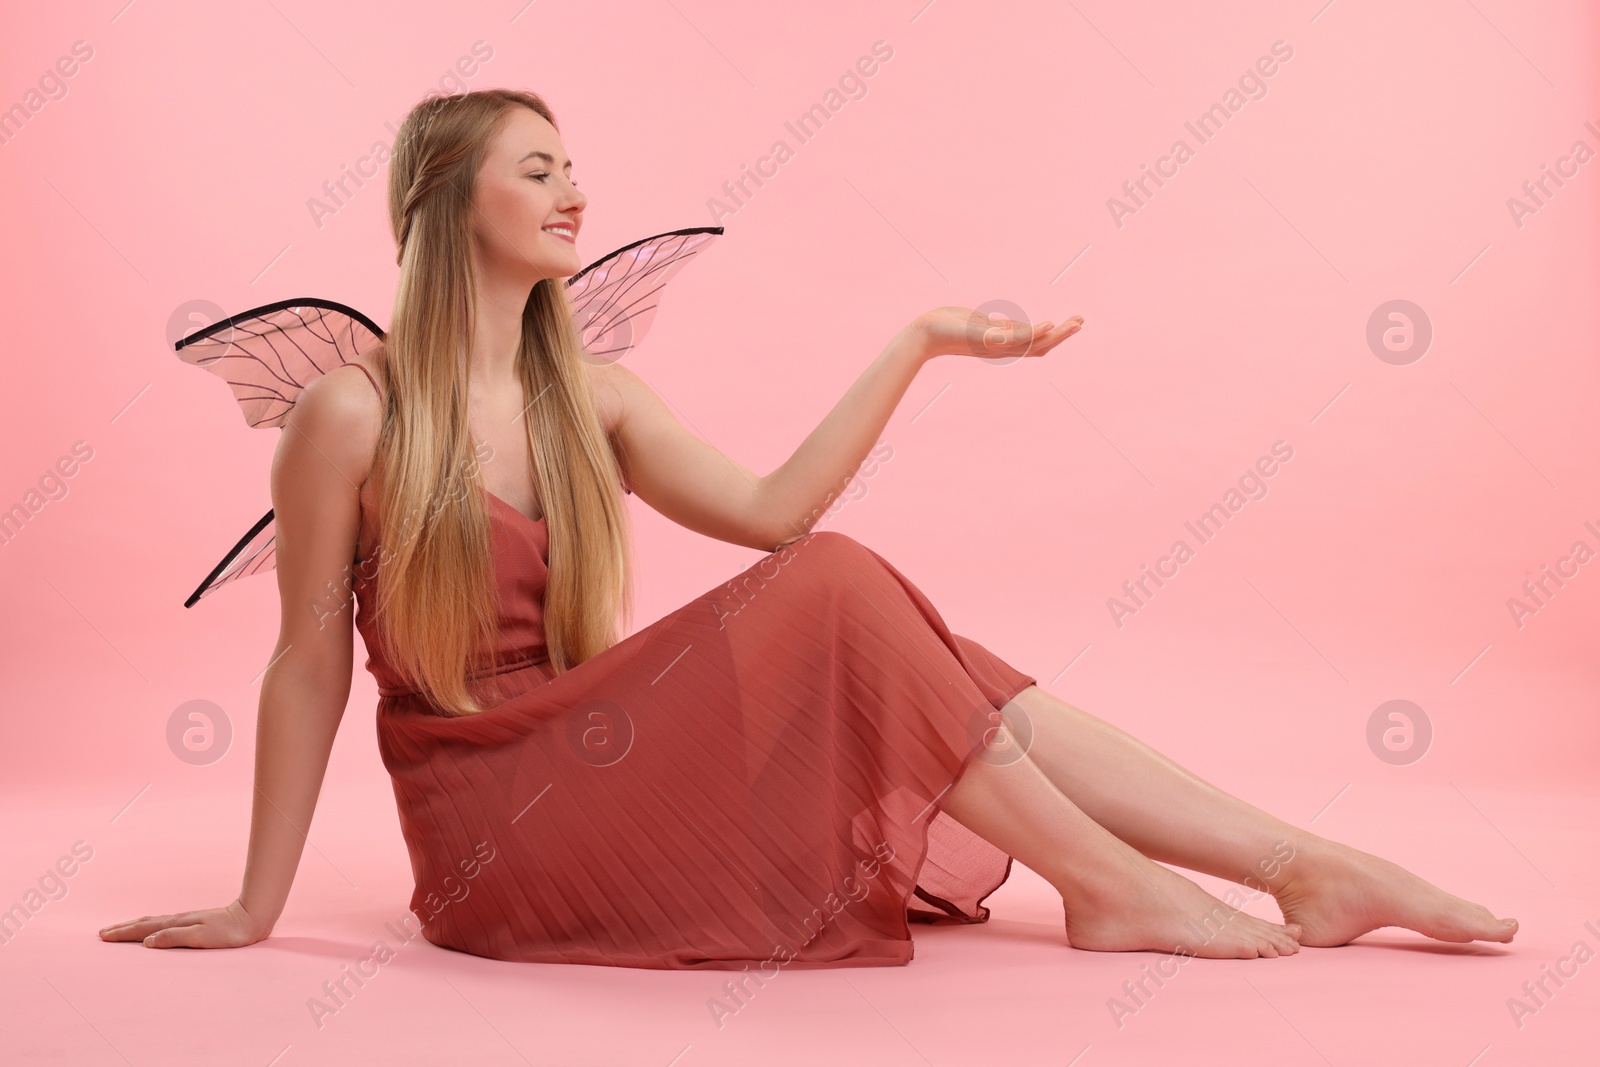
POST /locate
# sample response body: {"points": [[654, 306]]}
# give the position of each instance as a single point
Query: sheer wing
{"points": [[614, 299], [267, 355], [256, 552]]}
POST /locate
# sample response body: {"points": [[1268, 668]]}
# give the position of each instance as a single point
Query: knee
{"points": [[828, 537], [830, 558], [828, 547]]}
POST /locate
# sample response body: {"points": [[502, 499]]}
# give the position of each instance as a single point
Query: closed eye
{"points": [[545, 174]]}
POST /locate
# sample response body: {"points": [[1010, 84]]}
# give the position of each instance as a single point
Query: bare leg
{"points": [[1115, 898], [1333, 892]]}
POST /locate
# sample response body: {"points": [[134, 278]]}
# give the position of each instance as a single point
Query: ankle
{"points": [[1288, 858], [1098, 882]]}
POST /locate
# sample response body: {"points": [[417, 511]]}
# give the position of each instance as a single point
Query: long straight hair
{"points": [[436, 601]]}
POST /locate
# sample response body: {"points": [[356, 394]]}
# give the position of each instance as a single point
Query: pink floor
{"points": [[1009, 992]]}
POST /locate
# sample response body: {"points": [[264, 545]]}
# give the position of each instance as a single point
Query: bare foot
{"points": [[1142, 905], [1337, 893]]}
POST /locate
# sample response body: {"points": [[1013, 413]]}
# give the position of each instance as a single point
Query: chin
{"points": [[570, 266], [556, 267]]}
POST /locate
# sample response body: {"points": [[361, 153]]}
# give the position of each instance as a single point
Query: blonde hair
{"points": [[436, 591]]}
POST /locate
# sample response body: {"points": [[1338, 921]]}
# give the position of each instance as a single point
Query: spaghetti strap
{"points": [[370, 378]]}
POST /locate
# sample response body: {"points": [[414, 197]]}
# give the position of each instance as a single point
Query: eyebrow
{"points": [[546, 156]]}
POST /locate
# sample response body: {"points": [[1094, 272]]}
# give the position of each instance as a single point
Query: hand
{"points": [[229, 927], [963, 331]]}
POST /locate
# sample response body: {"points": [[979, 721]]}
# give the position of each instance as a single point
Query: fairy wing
{"points": [[614, 299], [256, 552], [267, 355]]}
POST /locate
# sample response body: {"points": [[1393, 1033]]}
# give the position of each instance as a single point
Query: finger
{"points": [[1052, 331], [192, 936], [1029, 334], [1059, 334], [143, 919], [130, 930], [137, 929], [1035, 339]]}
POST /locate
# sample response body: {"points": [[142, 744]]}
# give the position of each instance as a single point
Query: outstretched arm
{"points": [[695, 485]]}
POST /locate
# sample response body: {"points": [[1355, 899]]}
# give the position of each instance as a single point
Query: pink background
{"points": [[1229, 312]]}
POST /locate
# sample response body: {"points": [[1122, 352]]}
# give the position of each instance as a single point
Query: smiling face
{"points": [[524, 192]]}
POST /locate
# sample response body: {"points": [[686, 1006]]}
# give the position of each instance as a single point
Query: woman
{"points": [[779, 772]]}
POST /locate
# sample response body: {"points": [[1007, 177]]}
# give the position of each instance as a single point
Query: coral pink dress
{"points": [[755, 779]]}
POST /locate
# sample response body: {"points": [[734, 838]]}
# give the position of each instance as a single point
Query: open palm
{"points": [[964, 331]]}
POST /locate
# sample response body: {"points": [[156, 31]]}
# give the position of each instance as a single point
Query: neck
{"points": [[498, 305]]}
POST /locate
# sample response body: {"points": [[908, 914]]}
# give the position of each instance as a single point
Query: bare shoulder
{"points": [[342, 414], [614, 386]]}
